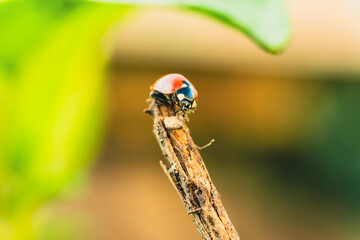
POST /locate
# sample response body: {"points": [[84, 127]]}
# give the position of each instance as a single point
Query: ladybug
{"points": [[174, 89]]}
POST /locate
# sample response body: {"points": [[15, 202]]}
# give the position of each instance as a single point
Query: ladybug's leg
{"points": [[175, 103]]}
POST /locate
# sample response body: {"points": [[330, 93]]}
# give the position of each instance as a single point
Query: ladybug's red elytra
{"points": [[176, 90]]}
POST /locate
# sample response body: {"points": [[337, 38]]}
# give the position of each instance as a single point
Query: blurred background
{"points": [[78, 157]]}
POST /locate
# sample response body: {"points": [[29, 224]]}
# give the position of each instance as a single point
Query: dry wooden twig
{"points": [[188, 174]]}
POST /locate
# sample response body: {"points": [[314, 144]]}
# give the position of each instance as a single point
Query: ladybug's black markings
{"points": [[175, 90], [163, 98]]}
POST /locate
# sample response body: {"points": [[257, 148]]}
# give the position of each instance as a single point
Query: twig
{"points": [[188, 174], [206, 145]]}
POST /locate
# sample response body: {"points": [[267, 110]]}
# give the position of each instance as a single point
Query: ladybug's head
{"points": [[185, 105], [185, 100]]}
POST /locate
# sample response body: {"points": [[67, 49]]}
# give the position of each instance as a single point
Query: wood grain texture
{"points": [[188, 174]]}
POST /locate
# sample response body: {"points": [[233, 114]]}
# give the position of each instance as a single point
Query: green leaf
{"points": [[51, 99], [265, 21]]}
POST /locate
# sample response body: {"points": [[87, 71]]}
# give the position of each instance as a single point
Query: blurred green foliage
{"points": [[51, 91], [265, 21], [51, 68]]}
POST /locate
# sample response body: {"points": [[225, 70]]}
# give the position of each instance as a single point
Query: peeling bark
{"points": [[189, 176]]}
